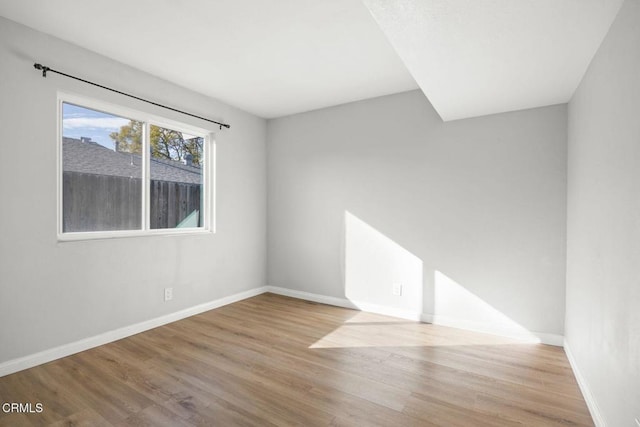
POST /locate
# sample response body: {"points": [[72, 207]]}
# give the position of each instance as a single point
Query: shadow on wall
{"points": [[383, 277]]}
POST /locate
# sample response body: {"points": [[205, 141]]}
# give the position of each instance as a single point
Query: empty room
{"points": [[314, 213]]}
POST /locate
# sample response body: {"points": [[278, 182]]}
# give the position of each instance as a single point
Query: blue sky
{"points": [[78, 121]]}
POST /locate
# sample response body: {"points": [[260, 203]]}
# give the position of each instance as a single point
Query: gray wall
{"points": [[603, 244], [475, 208], [54, 293]]}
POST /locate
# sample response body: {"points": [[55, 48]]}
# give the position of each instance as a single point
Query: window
{"points": [[125, 173]]}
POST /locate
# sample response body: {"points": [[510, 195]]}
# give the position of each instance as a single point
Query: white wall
{"points": [[603, 244], [55, 293], [475, 208]]}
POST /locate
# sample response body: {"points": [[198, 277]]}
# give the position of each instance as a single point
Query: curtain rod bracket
{"points": [[41, 67], [46, 69]]}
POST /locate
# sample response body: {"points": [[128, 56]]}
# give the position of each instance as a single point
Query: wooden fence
{"points": [[105, 203], [173, 202]]}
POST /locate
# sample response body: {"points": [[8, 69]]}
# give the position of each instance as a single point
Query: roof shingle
{"points": [[91, 157]]}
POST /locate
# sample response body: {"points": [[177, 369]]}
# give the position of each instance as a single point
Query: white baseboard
{"points": [[323, 299], [388, 311], [526, 336], [45, 356], [346, 303], [596, 414], [539, 337]]}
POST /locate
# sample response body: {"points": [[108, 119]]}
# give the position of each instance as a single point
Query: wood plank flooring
{"points": [[272, 361]]}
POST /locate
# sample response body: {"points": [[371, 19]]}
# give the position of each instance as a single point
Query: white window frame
{"points": [[208, 170]]}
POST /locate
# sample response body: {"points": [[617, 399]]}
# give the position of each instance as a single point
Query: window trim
{"points": [[208, 171]]}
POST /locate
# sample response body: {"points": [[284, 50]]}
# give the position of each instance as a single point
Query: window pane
{"points": [[176, 179], [102, 171]]}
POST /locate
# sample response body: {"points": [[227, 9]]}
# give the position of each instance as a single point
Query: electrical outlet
{"points": [[397, 289], [168, 294]]}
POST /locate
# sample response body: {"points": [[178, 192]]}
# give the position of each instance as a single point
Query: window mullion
{"points": [[146, 180]]}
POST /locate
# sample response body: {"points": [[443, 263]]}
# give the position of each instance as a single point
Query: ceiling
{"points": [[478, 57], [271, 58], [280, 57]]}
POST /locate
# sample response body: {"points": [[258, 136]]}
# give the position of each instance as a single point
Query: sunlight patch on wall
{"points": [[454, 305], [374, 263]]}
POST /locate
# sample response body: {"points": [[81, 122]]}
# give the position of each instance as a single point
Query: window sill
{"points": [[108, 235]]}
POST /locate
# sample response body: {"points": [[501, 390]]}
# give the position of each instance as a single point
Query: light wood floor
{"points": [[272, 360]]}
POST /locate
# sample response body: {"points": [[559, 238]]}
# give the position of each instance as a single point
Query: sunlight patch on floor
{"points": [[374, 330]]}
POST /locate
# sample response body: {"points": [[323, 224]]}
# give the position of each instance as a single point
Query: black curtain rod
{"points": [[46, 70]]}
